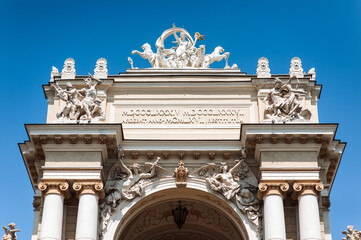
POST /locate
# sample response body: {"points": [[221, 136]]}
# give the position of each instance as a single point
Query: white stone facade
{"points": [[233, 147]]}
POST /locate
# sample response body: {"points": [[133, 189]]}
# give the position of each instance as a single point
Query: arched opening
{"points": [[210, 217], [202, 222]]}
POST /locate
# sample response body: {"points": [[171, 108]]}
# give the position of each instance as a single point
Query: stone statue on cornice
{"points": [[351, 233], [10, 233], [184, 55]]}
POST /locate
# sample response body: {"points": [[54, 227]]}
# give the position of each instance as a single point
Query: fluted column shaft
{"points": [[274, 217], [87, 221]]}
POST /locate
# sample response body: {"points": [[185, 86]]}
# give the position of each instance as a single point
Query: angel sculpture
{"points": [[224, 182], [204, 171], [124, 183], [10, 234]]}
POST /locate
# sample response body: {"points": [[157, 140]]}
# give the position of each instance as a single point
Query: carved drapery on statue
{"points": [[282, 103], [184, 55], [82, 104]]}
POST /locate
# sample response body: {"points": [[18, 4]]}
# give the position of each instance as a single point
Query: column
{"points": [[308, 209], [52, 222], [272, 194], [36, 205], [87, 221]]}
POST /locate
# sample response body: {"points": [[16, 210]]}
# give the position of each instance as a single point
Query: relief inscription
{"points": [[196, 116]]}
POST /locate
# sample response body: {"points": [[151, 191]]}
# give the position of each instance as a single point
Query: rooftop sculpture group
{"points": [[184, 55], [82, 104]]}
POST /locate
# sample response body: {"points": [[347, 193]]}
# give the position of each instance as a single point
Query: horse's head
{"points": [[146, 46], [219, 49]]}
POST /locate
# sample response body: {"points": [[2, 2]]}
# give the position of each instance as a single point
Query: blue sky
{"points": [[36, 35]]}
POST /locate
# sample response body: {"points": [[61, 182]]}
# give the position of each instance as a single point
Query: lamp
{"points": [[180, 214]]}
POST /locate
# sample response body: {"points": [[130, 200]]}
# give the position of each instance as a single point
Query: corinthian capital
{"points": [[306, 188], [268, 188], [89, 187], [51, 186]]}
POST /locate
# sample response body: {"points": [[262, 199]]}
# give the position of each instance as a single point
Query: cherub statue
{"points": [[351, 234], [10, 234]]}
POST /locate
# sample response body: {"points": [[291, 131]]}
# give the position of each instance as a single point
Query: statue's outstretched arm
{"points": [[235, 168], [124, 168], [175, 36], [152, 172], [98, 81]]}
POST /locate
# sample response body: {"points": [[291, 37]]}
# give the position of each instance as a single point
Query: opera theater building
{"points": [[181, 150]]}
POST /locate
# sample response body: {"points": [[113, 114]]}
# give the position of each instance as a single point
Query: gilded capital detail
{"points": [[306, 188], [55, 187], [89, 187], [268, 188]]}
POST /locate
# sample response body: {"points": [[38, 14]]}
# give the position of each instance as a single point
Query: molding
{"points": [[284, 147], [77, 148]]}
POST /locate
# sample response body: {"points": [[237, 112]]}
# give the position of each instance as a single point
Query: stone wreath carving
{"points": [[125, 183], [237, 184]]}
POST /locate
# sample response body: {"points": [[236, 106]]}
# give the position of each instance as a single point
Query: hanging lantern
{"points": [[180, 214]]}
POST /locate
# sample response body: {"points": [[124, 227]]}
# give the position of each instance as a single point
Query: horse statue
{"points": [[147, 54], [216, 55]]}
